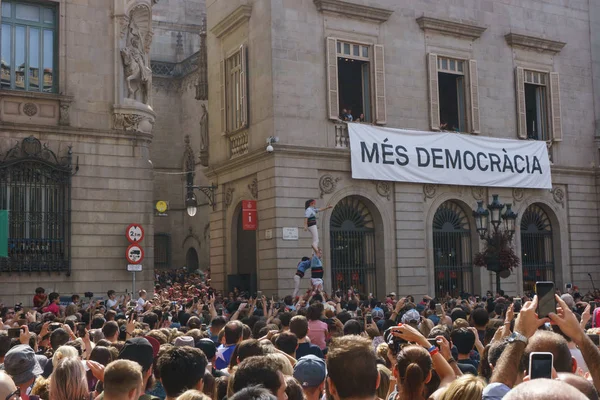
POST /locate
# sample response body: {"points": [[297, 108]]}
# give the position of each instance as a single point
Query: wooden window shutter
{"points": [[380, 106], [521, 111], [555, 105], [223, 98], [474, 89], [333, 99], [434, 95], [243, 86]]}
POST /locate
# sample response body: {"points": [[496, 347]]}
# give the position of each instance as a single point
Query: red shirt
{"points": [[38, 300], [53, 308]]}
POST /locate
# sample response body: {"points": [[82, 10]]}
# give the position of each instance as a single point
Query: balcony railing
{"points": [[342, 139]]}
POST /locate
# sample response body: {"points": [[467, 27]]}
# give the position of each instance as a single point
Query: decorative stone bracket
{"points": [[131, 119]]}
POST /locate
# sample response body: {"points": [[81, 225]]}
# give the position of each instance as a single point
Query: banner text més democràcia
{"points": [[447, 158]]}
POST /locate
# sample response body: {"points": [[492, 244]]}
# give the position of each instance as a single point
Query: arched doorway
{"points": [[243, 274], [353, 247], [191, 259], [537, 256], [452, 253]]}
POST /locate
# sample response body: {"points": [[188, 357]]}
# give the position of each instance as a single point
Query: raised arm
{"points": [[526, 324], [569, 325]]}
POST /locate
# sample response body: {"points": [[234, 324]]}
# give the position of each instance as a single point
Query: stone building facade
{"points": [[178, 58], [75, 144], [287, 69]]}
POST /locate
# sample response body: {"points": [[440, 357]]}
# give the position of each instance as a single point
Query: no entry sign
{"points": [[134, 233], [134, 254], [249, 215]]}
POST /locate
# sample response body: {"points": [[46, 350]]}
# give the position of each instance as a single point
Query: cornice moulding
{"points": [[534, 42], [232, 21], [353, 10], [464, 29]]}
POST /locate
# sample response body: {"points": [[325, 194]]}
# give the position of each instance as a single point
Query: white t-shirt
{"points": [[140, 304], [310, 212], [110, 303]]}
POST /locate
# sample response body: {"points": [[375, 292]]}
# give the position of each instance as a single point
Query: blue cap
{"points": [[310, 371]]}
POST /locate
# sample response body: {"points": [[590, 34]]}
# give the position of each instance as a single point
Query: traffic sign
{"points": [[134, 254], [134, 233], [134, 267], [161, 206]]}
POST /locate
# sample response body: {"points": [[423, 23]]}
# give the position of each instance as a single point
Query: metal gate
{"points": [[35, 188], [537, 251], [352, 242], [452, 251]]}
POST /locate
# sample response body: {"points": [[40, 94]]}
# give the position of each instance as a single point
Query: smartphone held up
{"points": [[546, 302]]}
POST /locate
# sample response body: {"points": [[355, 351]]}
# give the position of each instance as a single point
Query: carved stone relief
{"points": [[253, 188], [384, 189], [204, 136], [64, 117], [478, 192], [327, 184], [518, 195], [30, 109], [558, 195], [133, 122], [429, 190], [228, 198]]}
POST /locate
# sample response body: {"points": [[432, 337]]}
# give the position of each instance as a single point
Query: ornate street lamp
{"points": [[495, 209], [509, 218], [481, 219], [191, 202], [497, 242]]}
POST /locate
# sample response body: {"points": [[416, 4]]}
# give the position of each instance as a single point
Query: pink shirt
{"points": [[53, 308], [317, 332]]}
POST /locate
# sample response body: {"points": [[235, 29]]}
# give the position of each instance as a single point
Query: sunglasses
{"points": [[16, 393]]}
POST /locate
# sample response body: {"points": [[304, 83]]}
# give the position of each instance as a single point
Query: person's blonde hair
{"points": [[283, 364], [466, 387], [68, 381], [41, 388], [122, 376], [193, 395], [63, 352], [460, 323]]}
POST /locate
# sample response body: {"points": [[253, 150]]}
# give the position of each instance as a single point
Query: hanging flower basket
{"points": [[498, 255]]}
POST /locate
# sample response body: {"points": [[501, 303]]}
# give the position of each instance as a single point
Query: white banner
{"points": [[399, 155]]}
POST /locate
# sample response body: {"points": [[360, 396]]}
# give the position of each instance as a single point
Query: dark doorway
{"points": [[452, 104], [353, 82], [245, 266], [191, 259]]}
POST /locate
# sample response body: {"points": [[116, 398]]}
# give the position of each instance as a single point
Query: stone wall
{"points": [[291, 79], [114, 184]]}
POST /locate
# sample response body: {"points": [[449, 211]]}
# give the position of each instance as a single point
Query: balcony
{"points": [[342, 139]]}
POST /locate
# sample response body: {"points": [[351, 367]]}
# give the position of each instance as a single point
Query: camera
{"points": [[394, 343], [89, 295], [18, 307]]}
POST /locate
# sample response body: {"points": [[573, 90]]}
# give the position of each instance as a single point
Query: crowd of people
{"points": [[187, 341]]}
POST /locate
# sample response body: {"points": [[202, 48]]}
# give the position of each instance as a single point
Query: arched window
{"points": [[537, 255], [352, 242], [452, 250]]}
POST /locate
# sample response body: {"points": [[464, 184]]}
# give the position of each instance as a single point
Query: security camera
{"points": [[270, 141]]}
